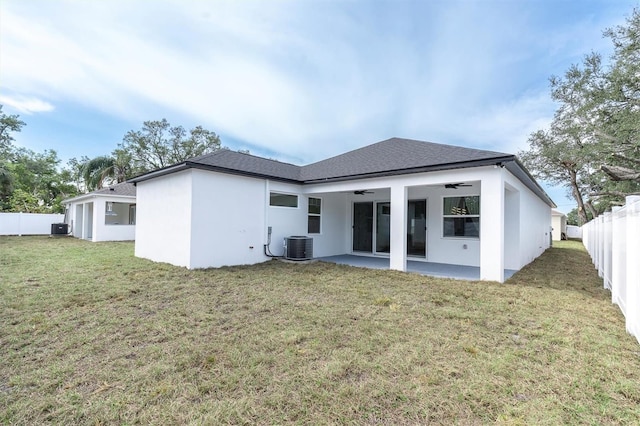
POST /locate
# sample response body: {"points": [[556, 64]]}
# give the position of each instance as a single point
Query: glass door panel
{"points": [[383, 227], [417, 228], [363, 227]]}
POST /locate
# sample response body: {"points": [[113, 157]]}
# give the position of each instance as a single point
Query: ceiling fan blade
{"points": [[455, 185]]}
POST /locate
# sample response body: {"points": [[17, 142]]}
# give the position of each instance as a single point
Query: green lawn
{"points": [[91, 335]]}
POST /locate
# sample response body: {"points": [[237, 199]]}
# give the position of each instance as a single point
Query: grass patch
{"points": [[91, 334]]}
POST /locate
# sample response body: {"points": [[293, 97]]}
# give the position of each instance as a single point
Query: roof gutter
{"points": [[439, 167], [525, 177], [159, 172]]}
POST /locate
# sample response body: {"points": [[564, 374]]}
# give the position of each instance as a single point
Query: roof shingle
{"points": [[393, 154]]}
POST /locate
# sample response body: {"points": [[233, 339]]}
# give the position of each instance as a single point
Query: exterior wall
{"points": [[559, 224], [535, 224], [28, 223], [201, 219], [512, 220], [285, 221], [461, 251], [335, 225], [228, 220], [163, 222]]}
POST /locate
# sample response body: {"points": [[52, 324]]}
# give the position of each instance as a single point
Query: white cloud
{"points": [[304, 79], [25, 104]]}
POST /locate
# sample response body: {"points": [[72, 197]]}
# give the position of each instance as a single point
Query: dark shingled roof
{"points": [[394, 155], [390, 157], [234, 162], [124, 189]]}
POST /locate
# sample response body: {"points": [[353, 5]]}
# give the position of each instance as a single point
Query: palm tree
{"points": [[105, 170]]}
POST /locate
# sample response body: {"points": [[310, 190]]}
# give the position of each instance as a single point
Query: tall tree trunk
{"points": [[582, 214], [591, 209]]}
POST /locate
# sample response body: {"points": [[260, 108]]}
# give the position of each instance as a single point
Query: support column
{"points": [[85, 220], [398, 255], [99, 209], [492, 226]]}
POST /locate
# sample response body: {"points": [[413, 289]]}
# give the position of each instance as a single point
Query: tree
{"points": [[159, 145], [105, 170], [8, 125], [29, 181], [75, 168], [592, 146], [619, 114], [557, 158], [38, 185]]}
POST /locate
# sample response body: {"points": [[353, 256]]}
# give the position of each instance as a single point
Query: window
{"points": [[315, 207], [461, 216], [119, 213], [283, 200], [132, 214]]}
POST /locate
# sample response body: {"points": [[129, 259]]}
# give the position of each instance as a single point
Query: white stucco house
{"points": [[399, 198], [108, 214], [559, 225]]}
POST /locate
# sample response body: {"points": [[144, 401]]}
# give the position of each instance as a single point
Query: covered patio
{"points": [[431, 269]]}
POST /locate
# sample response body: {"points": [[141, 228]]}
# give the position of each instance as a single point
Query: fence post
{"points": [[618, 255], [633, 269], [606, 259], [20, 224], [600, 250]]}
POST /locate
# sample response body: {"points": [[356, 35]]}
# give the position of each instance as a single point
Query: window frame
{"points": [[460, 216], [278, 193], [133, 211], [124, 218], [310, 215]]}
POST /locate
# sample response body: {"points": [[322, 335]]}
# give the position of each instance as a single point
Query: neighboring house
{"points": [[108, 214], [397, 198], [559, 225]]}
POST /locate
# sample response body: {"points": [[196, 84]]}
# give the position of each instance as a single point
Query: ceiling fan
{"points": [[455, 185], [362, 192]]}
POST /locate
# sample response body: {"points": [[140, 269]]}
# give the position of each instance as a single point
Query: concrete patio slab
{"points": [[442, 270]]}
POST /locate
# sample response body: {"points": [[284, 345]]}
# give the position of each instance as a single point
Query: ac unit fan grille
{"points": [[299, 248]]}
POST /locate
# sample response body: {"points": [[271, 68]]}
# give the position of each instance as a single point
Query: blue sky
{"points": [[298, 81]]}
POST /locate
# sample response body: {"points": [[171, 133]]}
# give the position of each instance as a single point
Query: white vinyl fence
{"points": [[574, 232], [28, 223], [613, 241]]}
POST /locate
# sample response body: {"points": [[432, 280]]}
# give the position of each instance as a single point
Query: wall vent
{"points": [[298, 248]]}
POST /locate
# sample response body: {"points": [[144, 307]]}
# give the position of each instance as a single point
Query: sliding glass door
{"points": [[417, 228], [383, 227], [372, 227], [364, 224], [363, 227]]}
